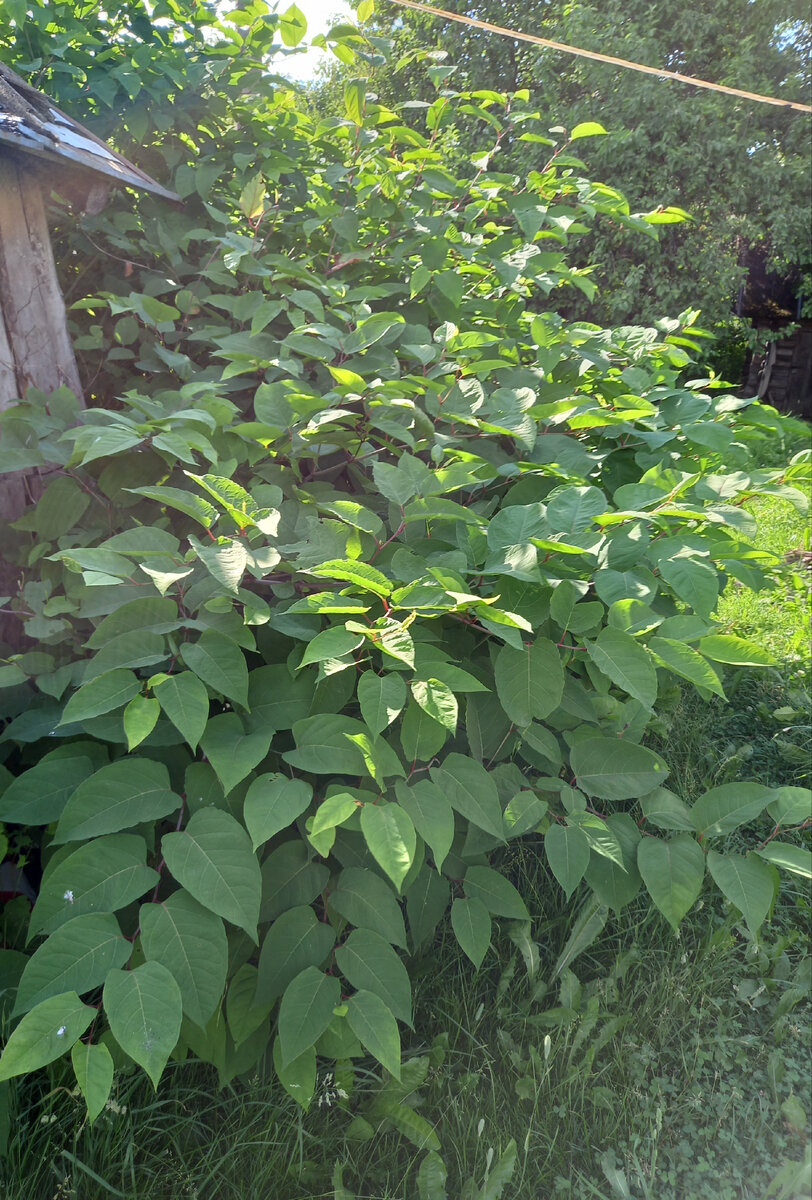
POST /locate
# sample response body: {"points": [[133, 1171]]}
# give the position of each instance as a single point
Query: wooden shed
{"points": [[42, 149], [782, 373]]}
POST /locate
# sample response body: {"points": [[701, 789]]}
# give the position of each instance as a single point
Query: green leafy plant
{"points": [[375, 564]]}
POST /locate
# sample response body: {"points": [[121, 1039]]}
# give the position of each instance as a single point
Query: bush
{"points": [[375, 565]]}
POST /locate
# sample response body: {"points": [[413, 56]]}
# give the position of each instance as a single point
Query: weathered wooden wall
{"points": [[35, 348], [783, 376]]}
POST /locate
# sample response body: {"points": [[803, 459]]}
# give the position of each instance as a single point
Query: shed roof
{"points": [[31, 123]]}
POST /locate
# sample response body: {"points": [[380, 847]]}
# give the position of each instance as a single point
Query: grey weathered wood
{"points": [[36, 347]]}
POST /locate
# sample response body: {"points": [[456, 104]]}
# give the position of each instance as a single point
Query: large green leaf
{"points": [[612, 586], [687, 663], [322, 745], [213, 859], [152, 613], [431, 814], [381, 698], [725, 808], [333, 811], [185, 701], [296, 940], [75, 958], [93, 1068], [498, 894], [331, 643], [438, 700], [788, 805], [361, 575], [376, 1029], [298, 1078], [40, 794], [567, 851], [626, 663], [292, 25], [139, 719], [746, 883], [103, 875], [615, 885], [432, 1177], [144, 1009], [380, 760], [694, 580], [369, 963], [523, 813], [598, 834], [390, 836], [128, 792], [665, 810], [231, 751], [673, 872], [219, 663], [426, 902], [420, 735], [224, 558], [190, 941], [290, 878], [103, 694], [365, 900], [573, 510], [245, 1013], [272, 803], [530, 681], [471, 791], [278, 700], [726, 648], [44, 1034], [472, 928], [616, 770], [305, 1012], [128, 650], [795, 859]]}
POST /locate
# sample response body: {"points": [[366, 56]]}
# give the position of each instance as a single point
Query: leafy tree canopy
{"points": [[741, 169]]}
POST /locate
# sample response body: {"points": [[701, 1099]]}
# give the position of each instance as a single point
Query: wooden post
{"points": [[34, 342], [35, 348]]}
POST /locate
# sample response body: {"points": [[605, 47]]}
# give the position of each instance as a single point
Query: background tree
{"points": [[740, 168]]}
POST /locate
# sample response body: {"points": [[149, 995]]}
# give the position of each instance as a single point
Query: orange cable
{"points": [[605, 58]]}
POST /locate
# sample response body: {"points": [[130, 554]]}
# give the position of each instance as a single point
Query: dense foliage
{"points": [[371, 564], [740, 168]]}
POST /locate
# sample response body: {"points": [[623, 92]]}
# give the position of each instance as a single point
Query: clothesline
{"points": [[604, 58]]}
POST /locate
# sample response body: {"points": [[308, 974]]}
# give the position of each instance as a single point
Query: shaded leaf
{"points": [[746, 883], [190, 941], [472, 928], [144, 1009], [376, 1029], [44, 1034], [673, 872], [305, 1012], [213, 859], [75, 958], [369, 963], [390, 836]]}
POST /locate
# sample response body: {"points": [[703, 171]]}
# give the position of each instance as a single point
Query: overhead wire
{"points": [[660, 72]]}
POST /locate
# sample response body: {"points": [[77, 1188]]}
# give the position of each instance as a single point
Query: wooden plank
{"points": [[35, 347], [31, 304]]}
